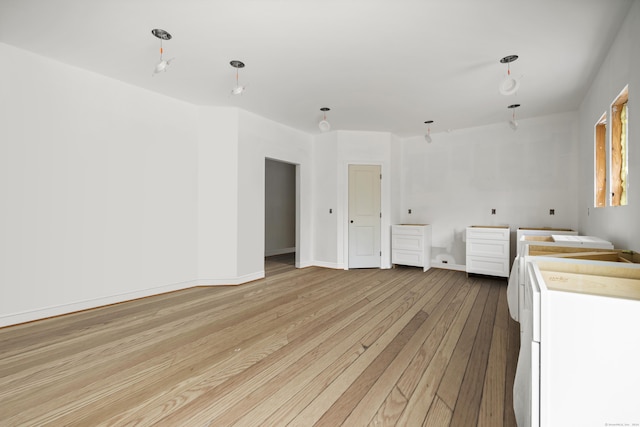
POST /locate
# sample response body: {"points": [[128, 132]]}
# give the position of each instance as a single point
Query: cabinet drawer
{"points": [[488, 248], [413, 258], [488, 233], [411, 230], [409, 242], [488, 265]]}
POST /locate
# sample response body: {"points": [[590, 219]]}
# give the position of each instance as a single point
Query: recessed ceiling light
{"points": [[427, 137], [162, 64], [508, 59], [513, 124], [509, 85], [161, 34], [237, 90], [324, 125]]}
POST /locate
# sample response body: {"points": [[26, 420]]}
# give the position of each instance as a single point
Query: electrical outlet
{"points": [[552, 211], [409, 211], [493, 211], [330, 210]]}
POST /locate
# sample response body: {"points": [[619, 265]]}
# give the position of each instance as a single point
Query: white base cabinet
{"points": [[540, 232], [515, 289], [411, 245], [488, 250], [578, 362]]}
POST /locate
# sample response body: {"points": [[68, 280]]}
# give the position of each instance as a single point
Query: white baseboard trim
{"points": [[305, 264], [231, 281], [448, 266], [58, 310], [333, 265], [282, 251], [43, 313]]}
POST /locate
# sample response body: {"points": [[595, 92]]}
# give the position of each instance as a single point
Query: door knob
{"points": [[351, 221]]}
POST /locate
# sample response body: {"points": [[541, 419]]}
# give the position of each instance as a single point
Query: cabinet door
{"points": [[526, 386]]}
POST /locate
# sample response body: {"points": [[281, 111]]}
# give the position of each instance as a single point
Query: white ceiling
{"points": [[380, 65]]}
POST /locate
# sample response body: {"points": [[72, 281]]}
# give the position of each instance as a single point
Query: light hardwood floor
{"points": [[300, 347]]}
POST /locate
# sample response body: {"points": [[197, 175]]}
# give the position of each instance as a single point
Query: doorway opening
{"points": [[281, 242]]}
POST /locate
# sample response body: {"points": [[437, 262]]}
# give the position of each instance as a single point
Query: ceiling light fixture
{"points": [[509, 85], [427, 137], [513, 124], [238, 89], [163, 64], [324, 125]]}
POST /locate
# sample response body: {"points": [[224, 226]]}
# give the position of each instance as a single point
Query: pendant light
{"points": [[324, 125], [427, 137], [163, 64], [513, 124], [237, 90], [509, 85]]}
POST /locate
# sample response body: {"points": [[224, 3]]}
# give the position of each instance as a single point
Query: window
{"points": [[601, 162], [614, 173], [619, 149]]}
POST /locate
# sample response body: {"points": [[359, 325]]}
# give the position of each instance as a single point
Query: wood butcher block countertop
{"points": [[592, 279], [543, 229]]}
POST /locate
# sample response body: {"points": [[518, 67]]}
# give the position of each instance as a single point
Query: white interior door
{"points": [[364, 216]]}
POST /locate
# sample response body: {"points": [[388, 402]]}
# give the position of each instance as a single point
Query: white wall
{"points": [[457, 179], [395, 214], [325, 198], [111, 192], [98, 189], [217, 166], [621, 66], [260, 138], [280, 208], [233, 146]]}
